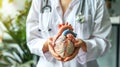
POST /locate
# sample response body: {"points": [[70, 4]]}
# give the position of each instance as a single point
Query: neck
{"points": [[65, 4]]}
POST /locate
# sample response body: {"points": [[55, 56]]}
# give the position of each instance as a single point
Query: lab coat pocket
{"points": [[87, 27], [44, 20]]}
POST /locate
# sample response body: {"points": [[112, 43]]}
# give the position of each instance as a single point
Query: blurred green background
{"points": [[13, 49]]}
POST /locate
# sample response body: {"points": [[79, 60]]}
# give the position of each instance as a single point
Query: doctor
{"points": [[89, 19]]}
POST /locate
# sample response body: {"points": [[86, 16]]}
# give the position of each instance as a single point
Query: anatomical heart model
{"points": [[64, 40]]}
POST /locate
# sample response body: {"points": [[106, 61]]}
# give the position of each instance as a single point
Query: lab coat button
{"points": [[49, 29], [39, 29]]}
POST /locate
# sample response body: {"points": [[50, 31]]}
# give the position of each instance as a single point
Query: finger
{"points": [[50, 39], [58, 58], [77, 43], [72, 56], [54, 54], [51, 49], [66, 23], [69, 24]]}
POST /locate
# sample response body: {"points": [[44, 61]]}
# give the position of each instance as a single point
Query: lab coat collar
{"points": [[57, 3], [57, 6]]}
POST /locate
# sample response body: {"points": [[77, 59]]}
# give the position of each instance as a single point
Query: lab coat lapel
{"points": [[87, 26], [59, 9]]}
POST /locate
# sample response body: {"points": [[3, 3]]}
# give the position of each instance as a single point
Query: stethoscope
{"points": [[46, 7], [49, 8]]}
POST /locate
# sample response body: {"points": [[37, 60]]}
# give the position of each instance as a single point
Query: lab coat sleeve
{"points": [[99, 42], [34, 39]]}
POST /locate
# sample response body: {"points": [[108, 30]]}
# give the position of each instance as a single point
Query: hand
{"points": [[52, 51], [80, 43], [73, 55], [70, 37]]}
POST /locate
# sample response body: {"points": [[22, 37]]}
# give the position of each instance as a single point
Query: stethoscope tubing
{"points": [[50, 8]]}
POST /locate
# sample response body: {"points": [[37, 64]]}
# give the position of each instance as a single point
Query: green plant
{"points": [[16, 54], [0, 3]]}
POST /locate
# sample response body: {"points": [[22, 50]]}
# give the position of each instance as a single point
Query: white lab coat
{"points": [[94, 31]]}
